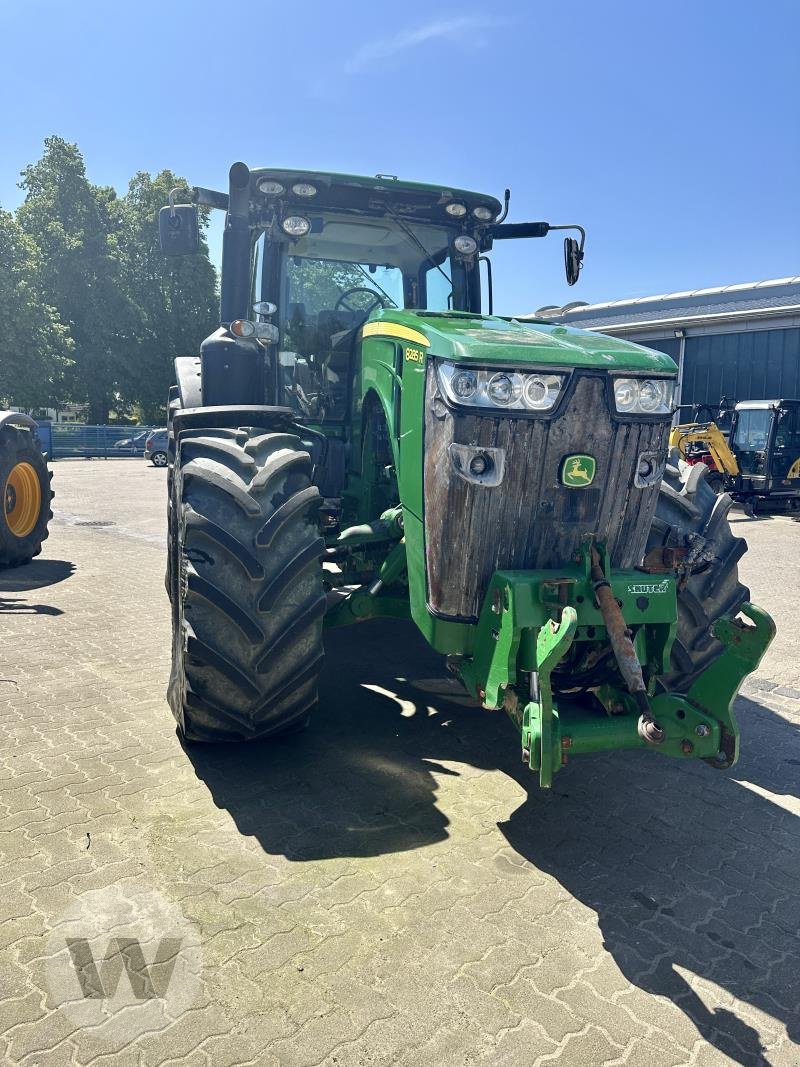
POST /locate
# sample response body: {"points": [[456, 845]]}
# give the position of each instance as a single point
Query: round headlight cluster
{"points": [[644, 396], [465, 244], [506, 389], [296, 225]]}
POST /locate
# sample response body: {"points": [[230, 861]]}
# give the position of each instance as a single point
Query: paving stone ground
{"points": [[390, 887]]}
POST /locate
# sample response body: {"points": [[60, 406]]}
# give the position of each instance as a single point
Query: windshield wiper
{"points": [[410, 233], [372, 281]]}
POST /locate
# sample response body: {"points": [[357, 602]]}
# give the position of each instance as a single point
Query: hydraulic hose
{"points": [[625, 654]]}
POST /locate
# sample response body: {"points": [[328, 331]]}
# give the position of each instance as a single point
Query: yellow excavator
{"points": [[758, 462], [715, 451]]}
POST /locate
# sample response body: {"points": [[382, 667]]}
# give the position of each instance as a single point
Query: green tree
{"points": [[176, 296], [75, 224], [35, 346]]}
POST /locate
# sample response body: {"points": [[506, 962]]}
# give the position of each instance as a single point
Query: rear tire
{"points": [[687, 504], [159, 459], [25, 484], [248, 594]]}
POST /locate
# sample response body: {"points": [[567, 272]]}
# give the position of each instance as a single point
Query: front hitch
{"points": [[535, 622]]}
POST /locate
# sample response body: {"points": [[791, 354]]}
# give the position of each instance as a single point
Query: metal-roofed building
{"points": [[740, 341]]}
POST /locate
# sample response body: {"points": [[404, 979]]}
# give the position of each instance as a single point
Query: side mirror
{"points": [[178, 230], [573, 260]]}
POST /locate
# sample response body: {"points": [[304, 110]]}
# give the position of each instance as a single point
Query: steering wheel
{"points": [[378, 301]]}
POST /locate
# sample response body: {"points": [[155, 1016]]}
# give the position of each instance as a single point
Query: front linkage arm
{"points": [[530, 621]]}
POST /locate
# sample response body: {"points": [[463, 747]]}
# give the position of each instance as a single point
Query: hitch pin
{"points": [[624, 652]]}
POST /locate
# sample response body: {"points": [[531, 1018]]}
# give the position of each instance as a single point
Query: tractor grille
{"points": [[530, 520]]}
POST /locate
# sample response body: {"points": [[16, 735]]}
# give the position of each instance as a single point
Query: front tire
{"points": [[25, 483], [248, 594], [688, 507]]}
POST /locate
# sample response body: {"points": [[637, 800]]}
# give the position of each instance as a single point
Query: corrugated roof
{"points": [[760, 297]]}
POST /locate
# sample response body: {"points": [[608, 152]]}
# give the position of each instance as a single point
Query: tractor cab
{"points": [[765, 438], [331, 250]]}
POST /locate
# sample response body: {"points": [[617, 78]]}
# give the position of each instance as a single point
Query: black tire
{"points": [[716, 481], [247, 614], [688, 505], [17, 447], [170, 578], [159, 459]]}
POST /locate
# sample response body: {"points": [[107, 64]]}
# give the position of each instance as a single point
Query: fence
{"points": [[62, 440]]}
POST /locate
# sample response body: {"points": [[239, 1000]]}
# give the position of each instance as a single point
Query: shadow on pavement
{"points": [[35, 575], [686, 868]]}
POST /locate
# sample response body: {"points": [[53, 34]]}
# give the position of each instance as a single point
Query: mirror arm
{"points": [[574, 226], [197, 195], [210, 198]]}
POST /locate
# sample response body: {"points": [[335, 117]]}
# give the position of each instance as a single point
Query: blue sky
{"points": [[671, 131]]}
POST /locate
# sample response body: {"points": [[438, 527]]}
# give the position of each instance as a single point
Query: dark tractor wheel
{"points": [[26, 497], [249, 600], [688, 505], [716, 481], [159, 459]]}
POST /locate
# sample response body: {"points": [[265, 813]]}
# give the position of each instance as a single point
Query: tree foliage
{"points": [[73, 223], [35, 346], [175, 296], [84, 266]]}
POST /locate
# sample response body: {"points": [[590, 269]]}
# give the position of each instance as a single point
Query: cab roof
{"points": [[396, 188]]}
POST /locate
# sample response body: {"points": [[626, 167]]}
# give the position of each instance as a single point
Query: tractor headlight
{"points": [[457, 210], [644, 396], [483, 213], [304, 189], [271, 188], [296, 225], [465, 245], [508, 390]]}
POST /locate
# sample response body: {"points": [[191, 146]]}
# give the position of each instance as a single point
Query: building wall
{"points": [[752, 365]]}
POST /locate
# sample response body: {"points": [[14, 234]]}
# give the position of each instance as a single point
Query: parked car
{"points": [[133, 446], [155, 448]]}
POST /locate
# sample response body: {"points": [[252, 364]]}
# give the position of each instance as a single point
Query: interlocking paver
{"points": [[391, 887]]}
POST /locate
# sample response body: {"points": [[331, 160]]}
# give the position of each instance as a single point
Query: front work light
{"points": [[504, 390], [305, 189], [644, 396], [483, 213], [296, 225], [271, 188], [457, 210], [465, 245]]}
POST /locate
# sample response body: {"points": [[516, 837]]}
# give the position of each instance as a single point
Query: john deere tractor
{"points": [[358, 439]]}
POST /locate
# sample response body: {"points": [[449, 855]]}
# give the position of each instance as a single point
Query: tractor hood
{"points": [[464, 337]]}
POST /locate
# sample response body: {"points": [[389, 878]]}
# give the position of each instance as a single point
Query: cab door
{"points": [[784, 460]]}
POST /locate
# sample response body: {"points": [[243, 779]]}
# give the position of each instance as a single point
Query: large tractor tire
{"points": [[26, 497], [688, 505], [248, 595]]}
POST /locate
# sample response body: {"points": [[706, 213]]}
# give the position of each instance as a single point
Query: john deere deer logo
{"points": [[578, 471]]}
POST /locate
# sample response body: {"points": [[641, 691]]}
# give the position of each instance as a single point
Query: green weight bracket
{"points": [[716, 688], [541, 738]]}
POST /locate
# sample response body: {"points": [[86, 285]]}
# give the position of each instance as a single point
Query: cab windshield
{"points": [[752, 430], [334, 278]]}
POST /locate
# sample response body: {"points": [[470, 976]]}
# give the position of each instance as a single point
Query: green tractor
{"points": [[358, 440]]}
